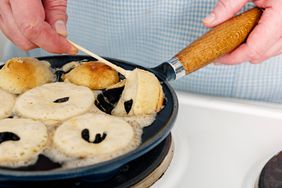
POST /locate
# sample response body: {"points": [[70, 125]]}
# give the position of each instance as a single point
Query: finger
{"points": [[240, 55], [223, 10], [30, 18], [275, 50], [56, 16], [9, 28], [268, 3], [18, 40], [263, 37]]}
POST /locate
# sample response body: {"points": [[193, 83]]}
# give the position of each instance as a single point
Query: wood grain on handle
{"points": [[220, 40]]}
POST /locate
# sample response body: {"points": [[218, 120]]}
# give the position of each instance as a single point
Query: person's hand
{"points": [[36, 23], [265, 40]]}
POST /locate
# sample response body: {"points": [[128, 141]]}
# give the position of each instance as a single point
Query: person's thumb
{"points": [[223, 10], [56, 16]]}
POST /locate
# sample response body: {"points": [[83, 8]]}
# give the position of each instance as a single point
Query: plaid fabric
{"points": [[149, 32]]}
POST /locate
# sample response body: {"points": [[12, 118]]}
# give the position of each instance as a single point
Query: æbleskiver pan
{"points": [[217, 42]]}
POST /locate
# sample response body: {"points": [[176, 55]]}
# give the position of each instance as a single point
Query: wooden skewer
{"points": [[117, 68]]}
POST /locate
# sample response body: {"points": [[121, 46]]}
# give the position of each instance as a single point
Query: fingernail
{"points": [[209, 19], [60, 28]]}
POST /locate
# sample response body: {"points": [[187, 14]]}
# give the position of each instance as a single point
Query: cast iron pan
{"points": [[217, 42], [152, 135]]}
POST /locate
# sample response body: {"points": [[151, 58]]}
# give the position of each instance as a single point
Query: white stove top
{"points": [[222, 143]]}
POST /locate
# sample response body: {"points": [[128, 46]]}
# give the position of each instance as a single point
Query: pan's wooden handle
{"points": [[220, 40]]}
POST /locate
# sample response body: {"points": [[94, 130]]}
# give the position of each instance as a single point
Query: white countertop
{"points": [[222, 143]]}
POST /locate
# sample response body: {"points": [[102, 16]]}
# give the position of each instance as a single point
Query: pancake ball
{"points": [[54, 102], [142, 95], [7, 102], [21, 141], [93, 74], [96, 136], [21, 74]]}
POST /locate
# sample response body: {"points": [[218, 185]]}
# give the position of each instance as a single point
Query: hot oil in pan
{"points": [[42, 163], [45, 163]]}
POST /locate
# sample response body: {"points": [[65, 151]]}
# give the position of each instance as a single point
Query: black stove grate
{"points": [[271, 175]]}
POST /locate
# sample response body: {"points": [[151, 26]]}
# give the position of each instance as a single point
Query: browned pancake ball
{"points": [[93, 74], [21, 74]]}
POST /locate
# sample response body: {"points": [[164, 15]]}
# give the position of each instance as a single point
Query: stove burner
{"points": [[142, 172], [271, 175]]}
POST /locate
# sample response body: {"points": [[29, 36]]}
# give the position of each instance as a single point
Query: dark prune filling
{"points": [[59, 74], [98, 137], [107, 100], [8, 136], [103, 105], [61, 100], [113, 95], [128, 105]]}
